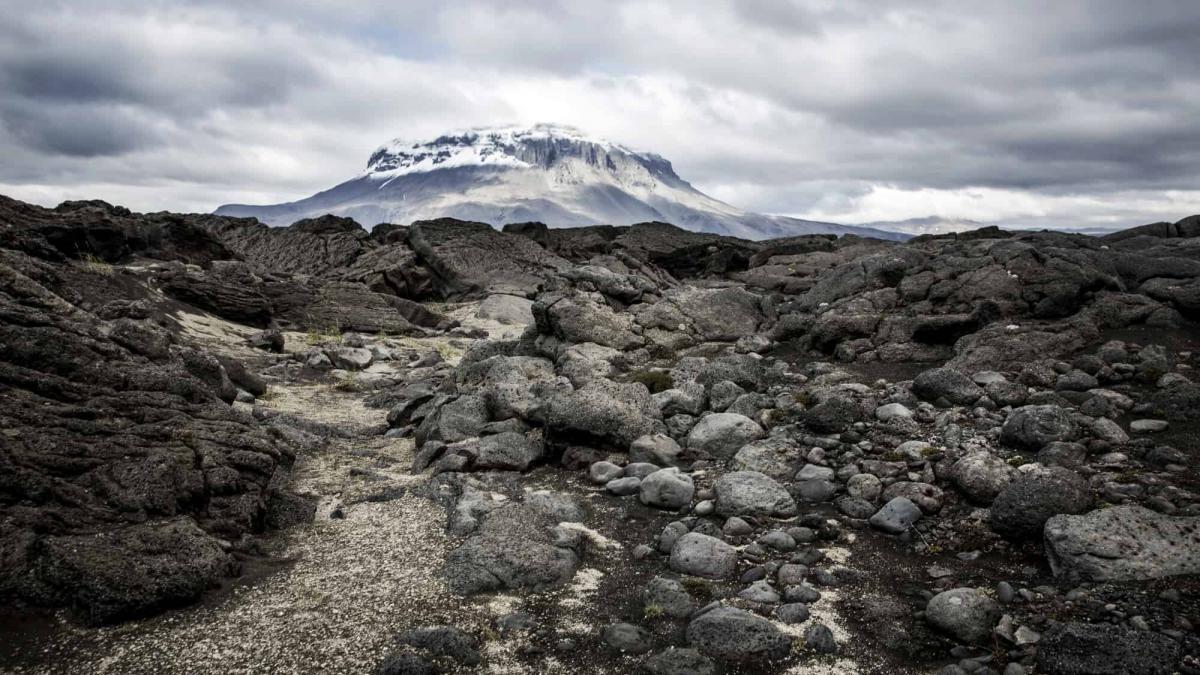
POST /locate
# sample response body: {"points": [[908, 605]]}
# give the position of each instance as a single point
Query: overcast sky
{"points": [[1067, 113]]}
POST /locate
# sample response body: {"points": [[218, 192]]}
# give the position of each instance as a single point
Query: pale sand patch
{"points": [[824, 611], [323, 403], [354, 585]]}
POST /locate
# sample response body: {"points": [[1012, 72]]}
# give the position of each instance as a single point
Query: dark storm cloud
{"points": [[779, 106], [78, 131]]}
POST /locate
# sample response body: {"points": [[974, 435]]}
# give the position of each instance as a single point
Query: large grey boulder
{"points": [[350, 358], [703, 556], [580, 318], [506, 309], [509, 451], [458, 420], [512, 386], [607, 410], [981, 476], [473, 259], [514, 547], [688, 399], [966, 613], [744, 370], [667, 489], [140, 569], [657, 449], [723, 314], [749, 493], [1032, 427], [1122, 543], [667, 596], [776, 457], [1024, 505], [1105, 649], [735, 635], [587, 361], [626, 637], [948, 385], [721, 435], [834, 414]]}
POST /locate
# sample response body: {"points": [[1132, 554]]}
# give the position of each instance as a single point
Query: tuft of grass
{"points": [[653, 611], [323, 334], [347, 383], [94, 264], [269, 394], [447, 351], [700, 588]]}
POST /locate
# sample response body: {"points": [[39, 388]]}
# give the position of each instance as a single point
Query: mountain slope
{"points": [[551, 174]]}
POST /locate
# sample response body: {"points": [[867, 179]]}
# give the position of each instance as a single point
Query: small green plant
{"points": [[653, 611], [270, 394], [699, 588], [447, 351], [94, 264], [323, 333], [929, 451], [655, 380], [347, 383], [489, 634]]}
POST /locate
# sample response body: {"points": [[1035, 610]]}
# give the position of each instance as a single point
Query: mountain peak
{"points": [[539, 145]]}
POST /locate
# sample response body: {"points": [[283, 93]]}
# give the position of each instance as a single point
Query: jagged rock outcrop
{"points": [[120, 454]]}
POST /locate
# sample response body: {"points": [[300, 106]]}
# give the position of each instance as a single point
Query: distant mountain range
{"points": [[926, 225], [546, 173]]}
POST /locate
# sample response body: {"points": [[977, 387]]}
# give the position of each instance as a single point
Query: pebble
{"points": [[624, 487], [1148, 426]]}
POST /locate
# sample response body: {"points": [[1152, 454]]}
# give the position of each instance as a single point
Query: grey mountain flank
{"points": [[443, 447]]}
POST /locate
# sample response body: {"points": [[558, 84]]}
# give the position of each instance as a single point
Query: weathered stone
{"points": [[667, 489], [749, 493], [721, 435], [703, 556], [1032, 427], [966, 613], [735, 635], [982, 476], [896, 516], [946, 384], [1024, 505], [1105, 649], [1123, 543]]}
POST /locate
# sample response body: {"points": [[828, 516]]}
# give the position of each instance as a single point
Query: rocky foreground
{"points": [[442, 448]]}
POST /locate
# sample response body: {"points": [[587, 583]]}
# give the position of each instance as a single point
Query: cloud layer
{"points": [[1072, 113]]}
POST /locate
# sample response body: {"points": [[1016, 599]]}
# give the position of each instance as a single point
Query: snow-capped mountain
{"points": [[547, 173]]}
